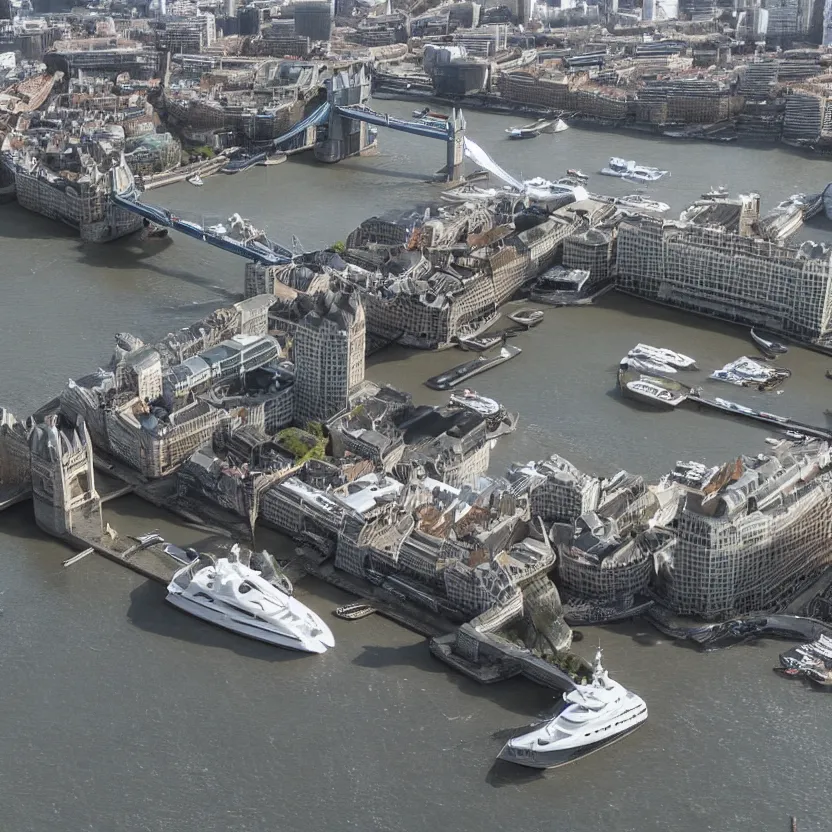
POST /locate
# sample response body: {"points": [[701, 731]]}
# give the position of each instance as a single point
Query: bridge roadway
{"points": [[361, 113], [268, 253]]}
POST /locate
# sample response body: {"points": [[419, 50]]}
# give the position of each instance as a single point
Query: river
{"points": [[119, 712]]}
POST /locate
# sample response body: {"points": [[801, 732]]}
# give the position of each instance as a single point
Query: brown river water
{"points": [[120, 713]]}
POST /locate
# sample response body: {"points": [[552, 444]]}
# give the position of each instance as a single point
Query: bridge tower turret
{"points": [[456, 146], [346, 136]]}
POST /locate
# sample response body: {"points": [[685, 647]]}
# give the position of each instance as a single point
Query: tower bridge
{"points": [[342, 126]]}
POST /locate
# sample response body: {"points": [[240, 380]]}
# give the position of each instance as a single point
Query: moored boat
{"points": [[526, 317], [665, 356], [522, 133], [650, 391], [355, 611], [812, 661], [746, 372], [593, 716], [456, 375], [628, 169], [642, 202], [233, 596], [767, 344], [577, 174], [471, 400], [647, 365], [480, 343]]}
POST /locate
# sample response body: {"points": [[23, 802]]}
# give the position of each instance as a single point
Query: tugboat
{"points": [[595, 715]]}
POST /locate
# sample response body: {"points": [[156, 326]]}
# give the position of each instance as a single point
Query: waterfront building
{"points": [[727, 274], [751, 534], [144, 411], [81, 200], [559, 492], [328, 349]]}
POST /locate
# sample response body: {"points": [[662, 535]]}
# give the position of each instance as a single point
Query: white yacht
{"points": [[593, 716], [233, 596], [642, 202], [647, 365], [196, 180], [543, 190], [628, 169], [658, 354]]}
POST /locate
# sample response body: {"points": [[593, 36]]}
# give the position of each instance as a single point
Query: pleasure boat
{"points": [[231, 595], [746, 372], [628, 169], [522, 133], [480, 343], [593, 716], [577, 174], [664, 356], [642, 202], [767, 344], [473, 401], [196, 179], [647, 365], [526, 317], [539, 189]]}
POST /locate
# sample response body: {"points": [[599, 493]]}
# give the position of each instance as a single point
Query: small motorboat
{"points": [[527, 317], [233, 596], [665, 356], [628, 169], [746, 372], [480, 343], [353, 612], [577, 174], [768, 346], [522, 133], [642, 202], [647, 365], [595, 715], [195, 180], [473, 401]]}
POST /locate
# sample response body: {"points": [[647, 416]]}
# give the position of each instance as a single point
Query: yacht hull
{"points": [[220, 619], [555, 759]]}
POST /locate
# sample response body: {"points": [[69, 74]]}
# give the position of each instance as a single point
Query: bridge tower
{"points": [[456, 146], [346, 137], [63, 478]]}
